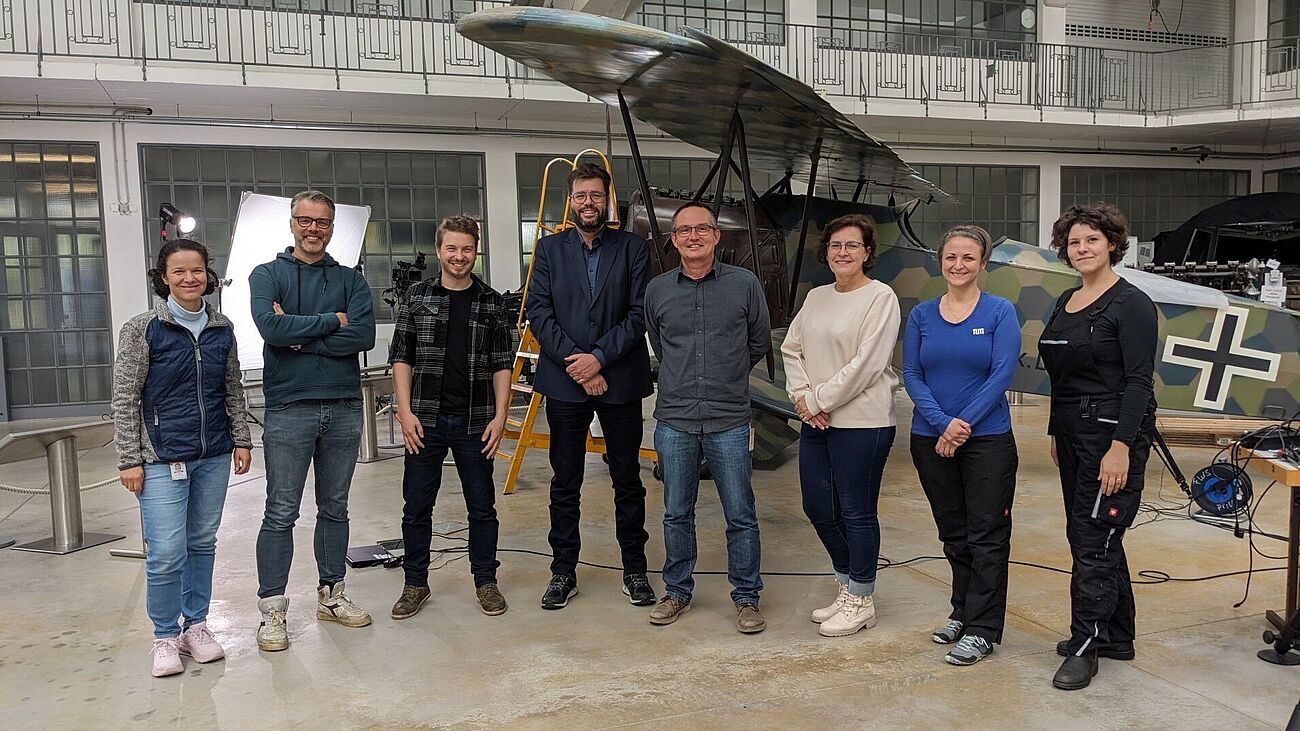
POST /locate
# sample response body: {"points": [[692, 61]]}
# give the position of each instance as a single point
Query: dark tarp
{"points": [[1237, 239]]}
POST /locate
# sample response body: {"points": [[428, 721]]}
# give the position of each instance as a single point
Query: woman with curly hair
{"points": [[1099, 348]]}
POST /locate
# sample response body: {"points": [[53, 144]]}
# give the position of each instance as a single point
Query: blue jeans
{"points": [[180, 520], [326, 432], [421, 479], [728, 455], [839, 473]]}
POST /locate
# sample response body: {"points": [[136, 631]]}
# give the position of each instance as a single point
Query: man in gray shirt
{"points": [[708, 322]]}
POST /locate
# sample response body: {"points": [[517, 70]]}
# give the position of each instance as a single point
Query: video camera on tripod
{"points": [[405, 274]]}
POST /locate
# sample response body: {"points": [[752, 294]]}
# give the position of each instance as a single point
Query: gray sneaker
{"points": [[970, 650], [335, 606], [949, 633], [272, 634]]}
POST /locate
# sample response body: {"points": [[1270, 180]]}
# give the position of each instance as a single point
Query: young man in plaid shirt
{"points": [[452, 357]]}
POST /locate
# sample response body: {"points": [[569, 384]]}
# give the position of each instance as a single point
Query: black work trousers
{"points": [[621, 424], [970, 496], [1102, 610]]}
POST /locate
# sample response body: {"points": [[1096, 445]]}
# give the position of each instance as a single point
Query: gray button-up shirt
{"points": [[708, 334]]}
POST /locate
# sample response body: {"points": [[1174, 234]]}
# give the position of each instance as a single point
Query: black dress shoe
{"points": [[1117, 651], [638, 590], [1076, 672], [559, 591]]}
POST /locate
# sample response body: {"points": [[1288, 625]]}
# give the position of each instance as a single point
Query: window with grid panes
{"points": [[1283, 181], [736, 21], [1283, 35], [54, 322], [1001, 199], [661, 172], [408, 194], [1153, 199], [936, 27]]}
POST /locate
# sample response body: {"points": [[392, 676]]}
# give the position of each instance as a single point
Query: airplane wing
{"points": [[688, 86], [608, 8]]}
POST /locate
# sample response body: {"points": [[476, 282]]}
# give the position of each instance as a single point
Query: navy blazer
{"points": [[567, 319]]}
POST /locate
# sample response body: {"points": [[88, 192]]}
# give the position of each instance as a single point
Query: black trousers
{"points": [[621, 424], [420, 482], [1102, 611], [970, 496]]}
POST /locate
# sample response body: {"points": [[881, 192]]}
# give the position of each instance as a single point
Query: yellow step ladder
{"points": [[521, 430]]}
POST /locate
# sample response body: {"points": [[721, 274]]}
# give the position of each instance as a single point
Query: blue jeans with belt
{"points": [[321, 432], [180, 519]]}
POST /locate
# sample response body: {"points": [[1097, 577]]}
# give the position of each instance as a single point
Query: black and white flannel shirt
{"points": [[420, 338]]}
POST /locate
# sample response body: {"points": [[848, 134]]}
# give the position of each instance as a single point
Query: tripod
{"points": [[1282, 643]]}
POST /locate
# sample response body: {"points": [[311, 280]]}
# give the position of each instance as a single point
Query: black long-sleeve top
{"points": [[1123, 345]]}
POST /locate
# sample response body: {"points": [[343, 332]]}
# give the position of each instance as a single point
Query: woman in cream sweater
{"points": [[837, 355]]}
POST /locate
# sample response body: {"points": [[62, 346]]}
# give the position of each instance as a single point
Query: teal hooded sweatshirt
{"points": [[307, 355]]}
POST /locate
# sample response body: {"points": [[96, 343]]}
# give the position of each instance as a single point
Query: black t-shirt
{"points": [[454, 398]]}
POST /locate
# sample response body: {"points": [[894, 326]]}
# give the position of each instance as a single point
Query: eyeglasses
{"points": [[702, 229], [306, 221], [583, 196], [848, 247]]}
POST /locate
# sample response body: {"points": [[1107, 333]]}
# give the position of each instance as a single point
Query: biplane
{"points": [[1218, 354]]}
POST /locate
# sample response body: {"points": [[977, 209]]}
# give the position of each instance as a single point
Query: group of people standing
{"points": [[181, 417], [960, 352]]}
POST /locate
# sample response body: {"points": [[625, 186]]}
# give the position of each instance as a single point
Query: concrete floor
{"points": [[74, 649]]}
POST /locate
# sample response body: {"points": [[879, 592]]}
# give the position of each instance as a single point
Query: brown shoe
{"points": [[749, 620], [490, 600], [668, 610], [408, 605]]}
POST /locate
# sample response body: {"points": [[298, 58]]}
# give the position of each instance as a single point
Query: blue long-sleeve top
{"points": [[961, 370]]}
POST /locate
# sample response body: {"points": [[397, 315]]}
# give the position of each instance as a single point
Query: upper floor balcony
{"points": [[354, 40]]}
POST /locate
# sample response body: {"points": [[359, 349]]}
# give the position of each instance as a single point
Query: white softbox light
{"points": [[261, 232]]}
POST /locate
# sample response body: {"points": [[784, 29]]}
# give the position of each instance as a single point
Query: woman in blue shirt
{"points": [[959, 353]]}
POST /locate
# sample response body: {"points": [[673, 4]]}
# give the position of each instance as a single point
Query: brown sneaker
{"points": [[668, 610], [749, 620], [490, 600], [408, 605]]}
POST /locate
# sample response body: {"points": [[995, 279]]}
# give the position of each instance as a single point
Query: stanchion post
{"points": [[65, 504], [369, 425]]}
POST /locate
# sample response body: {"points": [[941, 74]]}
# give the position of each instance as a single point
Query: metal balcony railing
{"points": [[418, 37]]}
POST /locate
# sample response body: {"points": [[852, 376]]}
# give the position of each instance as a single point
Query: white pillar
{"points": [[1051, 21], [1049, 199], [502, 217]]}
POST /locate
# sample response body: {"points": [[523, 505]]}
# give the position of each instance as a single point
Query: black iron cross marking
{"points": [[1221, 358]]}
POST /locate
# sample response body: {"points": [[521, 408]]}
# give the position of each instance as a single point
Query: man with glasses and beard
{"points": [[585, 308]]}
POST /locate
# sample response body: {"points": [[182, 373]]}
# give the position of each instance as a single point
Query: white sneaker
{"points": [[198, 643], [857, 612], [335, 606], [166, 658], [272, 634], [825, 613]]}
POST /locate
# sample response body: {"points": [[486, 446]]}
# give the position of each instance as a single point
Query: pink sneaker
{"points": [[166, 657], [198, 643]]}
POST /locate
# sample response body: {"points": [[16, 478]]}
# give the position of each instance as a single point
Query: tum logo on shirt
{"points": [[977, 331]]}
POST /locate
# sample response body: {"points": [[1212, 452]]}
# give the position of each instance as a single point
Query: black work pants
{"points": [[970, 496], [621, 423], [1102, 610]]}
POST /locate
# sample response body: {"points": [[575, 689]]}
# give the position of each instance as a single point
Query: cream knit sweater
{"points": [[837, 355]]}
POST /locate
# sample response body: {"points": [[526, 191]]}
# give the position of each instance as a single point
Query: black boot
{"points": [[1076, 672], [1116, 651]]}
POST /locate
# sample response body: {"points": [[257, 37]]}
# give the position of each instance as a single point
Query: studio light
{"points": [[170, 215]]}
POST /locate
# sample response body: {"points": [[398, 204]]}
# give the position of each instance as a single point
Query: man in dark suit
{"points": [[585, 306]]}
